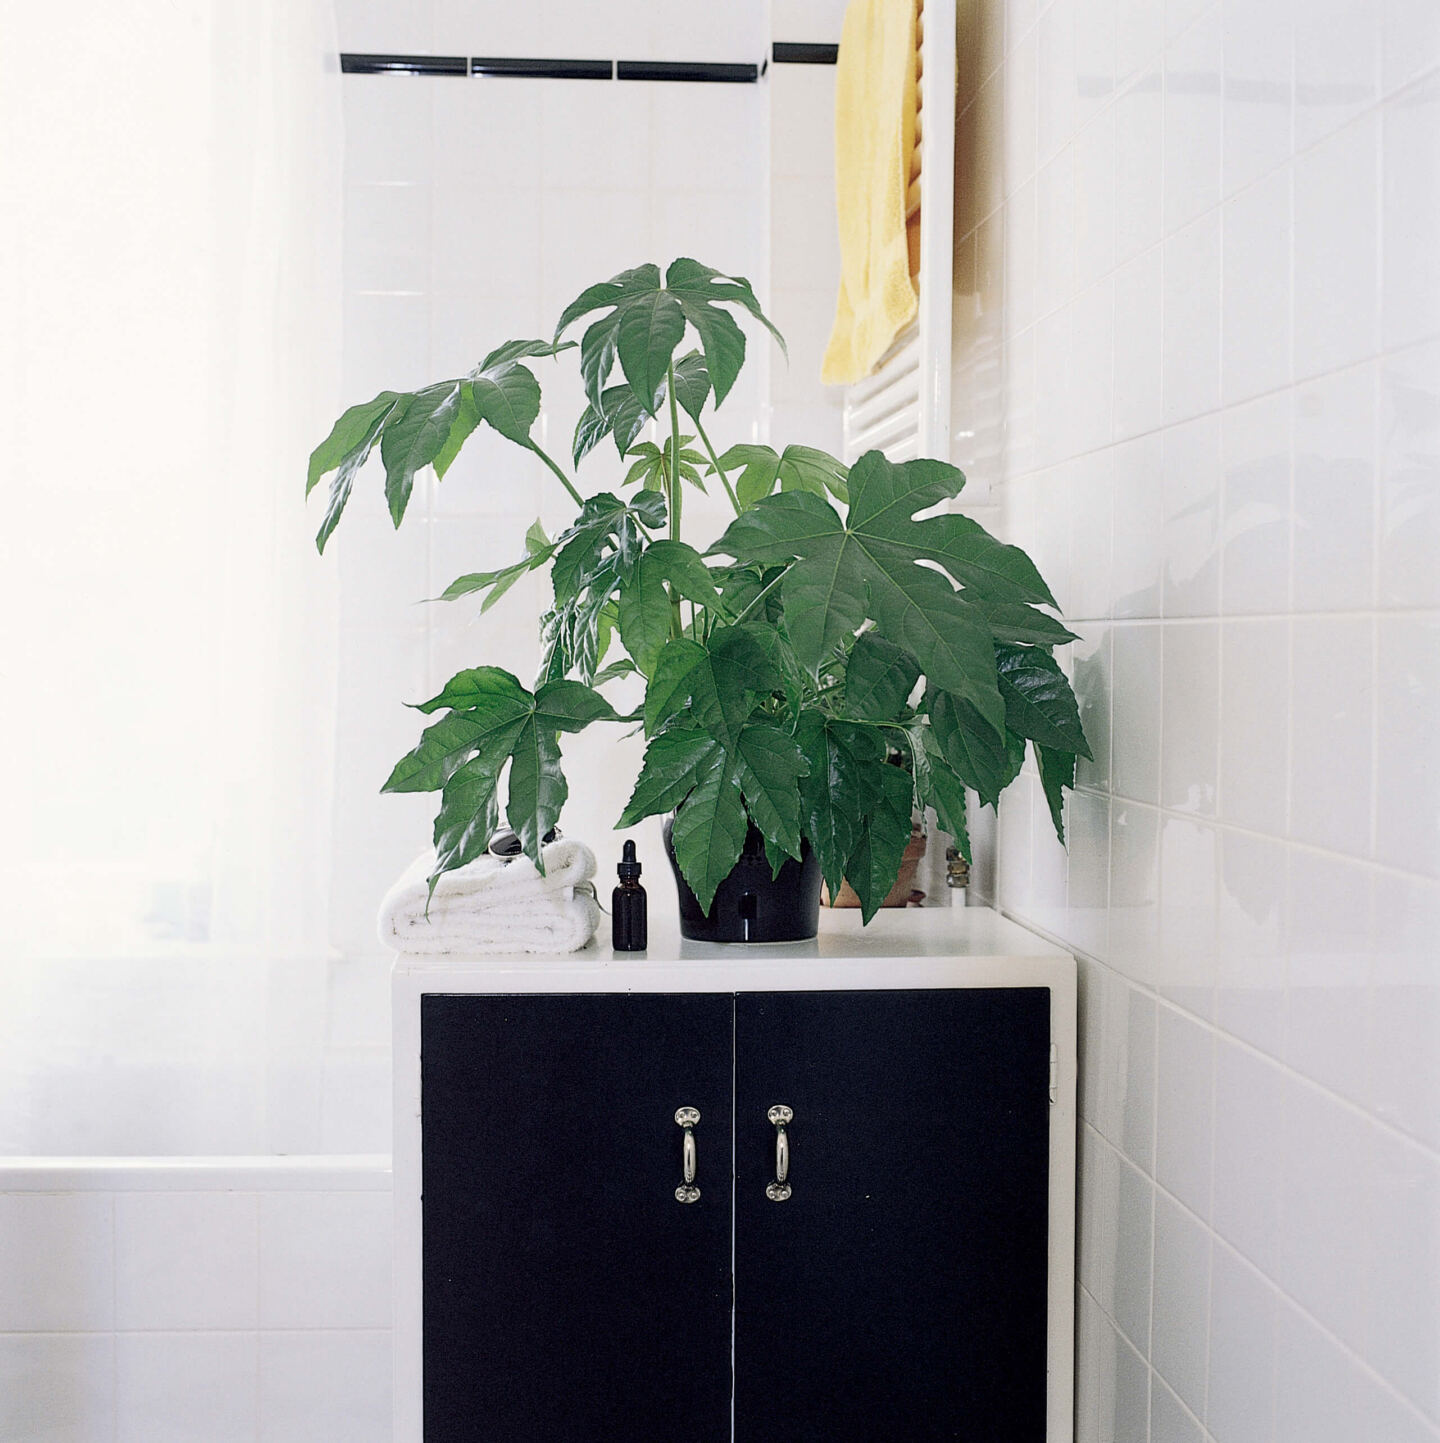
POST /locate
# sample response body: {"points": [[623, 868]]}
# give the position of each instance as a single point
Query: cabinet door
{"points": [[569, 1296], [900, 1290]]}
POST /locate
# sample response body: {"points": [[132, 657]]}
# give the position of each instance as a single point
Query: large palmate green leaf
{"points": [[665, 570], [646, 321], [841, 789], [874, 864], [868, 567], [621, 416], [1038, 701], [797, 468], [428, 427], [938, 785], [879, 677], [594, 558], [538, 548], [982, 760], [715, 760], [652, 465], [345, 450], [491, 719], [1057, 771]]}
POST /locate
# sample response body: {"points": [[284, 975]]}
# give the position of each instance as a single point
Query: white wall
{"points": [[1203, 241], [476, 209], [804, 241], [185, 1301]]}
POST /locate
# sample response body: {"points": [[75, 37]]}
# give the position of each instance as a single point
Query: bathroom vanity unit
{"points": [[810, 1191]]}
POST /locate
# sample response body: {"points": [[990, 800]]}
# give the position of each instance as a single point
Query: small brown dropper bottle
{"points": [[627, 905]]}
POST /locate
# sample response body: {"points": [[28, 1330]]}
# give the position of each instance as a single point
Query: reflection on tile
{"points": [[1240, 1395], [1183, 1110], [1410, 478], [1331, 732], [1333, 548], [1190, 662], [1182, 1301], [1250, 973], [1405, 998], [1255, 529]]}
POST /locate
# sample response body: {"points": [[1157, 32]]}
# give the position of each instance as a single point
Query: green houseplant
{"points": [[829, 664]]}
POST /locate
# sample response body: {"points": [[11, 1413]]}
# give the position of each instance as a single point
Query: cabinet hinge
{"points": [[1054, 1073]]}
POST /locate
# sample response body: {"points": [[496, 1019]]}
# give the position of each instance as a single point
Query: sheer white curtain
{"points": [[170, 204]]}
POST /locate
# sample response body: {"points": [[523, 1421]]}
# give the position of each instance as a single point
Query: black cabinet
{"points": [[897, 1291]]}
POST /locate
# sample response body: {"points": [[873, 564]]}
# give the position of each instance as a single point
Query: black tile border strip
{"points": [[543, 69], [706, 70], [720, 72], [789, 52], [354, 64]]}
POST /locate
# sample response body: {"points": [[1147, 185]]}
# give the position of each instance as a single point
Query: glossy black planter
{"points": [[750, 905]]}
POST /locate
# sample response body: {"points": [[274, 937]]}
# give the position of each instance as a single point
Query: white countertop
{"points": [[913, 946]]}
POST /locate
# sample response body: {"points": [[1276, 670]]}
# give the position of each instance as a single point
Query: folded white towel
{"points": [[492, 907]]}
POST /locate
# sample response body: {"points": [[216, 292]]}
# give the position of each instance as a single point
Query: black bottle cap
{"points": [[629, 868]]}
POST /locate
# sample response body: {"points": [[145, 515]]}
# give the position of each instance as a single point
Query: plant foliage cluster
{"points": [[837, 659]]}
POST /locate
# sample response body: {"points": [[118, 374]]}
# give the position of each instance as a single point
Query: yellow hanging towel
{"points": [[875, 86]]}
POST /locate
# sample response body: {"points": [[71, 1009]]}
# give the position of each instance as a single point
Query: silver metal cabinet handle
{"points": [[779, 1190], [687, 1192]]}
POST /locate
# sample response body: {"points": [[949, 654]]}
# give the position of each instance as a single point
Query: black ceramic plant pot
{"points": [[750, 905]]}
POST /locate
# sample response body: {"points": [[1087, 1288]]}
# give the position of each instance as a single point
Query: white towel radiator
{"points": [[903, 406]]}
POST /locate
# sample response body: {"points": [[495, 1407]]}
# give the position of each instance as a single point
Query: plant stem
{"points": [[564, 479], [760, 596], [719, 470], [674, 456]]}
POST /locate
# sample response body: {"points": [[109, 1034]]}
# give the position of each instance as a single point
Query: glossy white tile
{"points": [[1258, 88], [1251, 966], [1189, 748], [186, 1260], [1192, 259], [57, 1388], [1136, 711], [1336, 303], [1184, 1109], [1189, 862], [1170, 1420], [57, 1257], [1192, 518], [1334, 515], [178, 1387], [1139, 162], [1094, 151], [1410, 222], [324, 1260], [1255, 562], [1404, 1039], [1180, 1332], [1409, 502], [1328, 1156], [1137, 528], [1337, 53], [1331, 733], [1402, 1324], [1257, 272], [1134, 890], [1327, 1008], [325, 1384], [1194, 120], [1249, 1127], [1407, 771], [1115, 1243], [1240, 1393]]}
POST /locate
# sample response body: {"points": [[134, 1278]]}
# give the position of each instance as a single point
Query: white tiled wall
{"points": [[188, 1301], [1204, 240], [477, 209]]}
